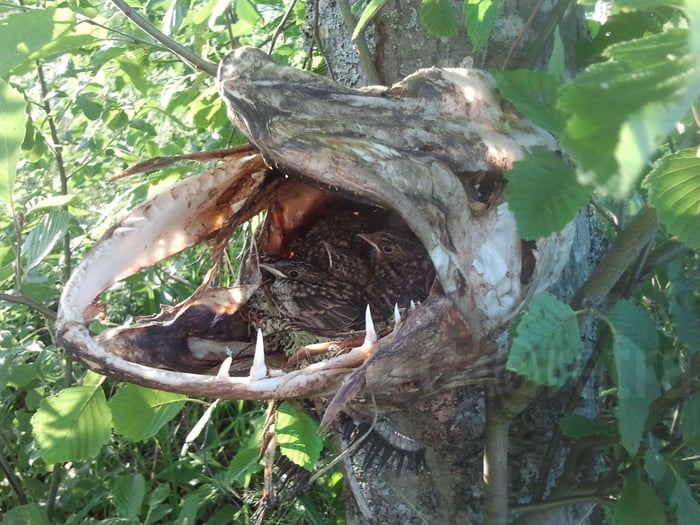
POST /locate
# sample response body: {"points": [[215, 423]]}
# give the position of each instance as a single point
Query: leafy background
{"points": [[84, 94]]}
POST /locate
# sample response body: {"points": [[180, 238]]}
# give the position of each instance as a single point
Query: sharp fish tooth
{"points": [[397, 314], [370, 332], [224, 368], [259, 369]]}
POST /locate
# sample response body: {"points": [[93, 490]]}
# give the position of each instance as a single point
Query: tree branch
{"points": [[194, 60], [31, 303], [628, 246]]}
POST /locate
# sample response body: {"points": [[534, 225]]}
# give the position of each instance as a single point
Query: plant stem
{"points": [[362, 50], [500, 412], [12, 480], [627, 248], [194, 60]]}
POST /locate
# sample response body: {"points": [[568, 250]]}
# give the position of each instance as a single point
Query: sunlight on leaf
{"points": [[139, 412], [674, 190], [13, 113], [621, 109], [72, 426], [298, 436], [480, 17]]}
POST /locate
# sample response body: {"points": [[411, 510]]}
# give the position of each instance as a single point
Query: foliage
{"points": [[85, 94]]}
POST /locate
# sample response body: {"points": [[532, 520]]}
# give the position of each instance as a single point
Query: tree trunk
{"points": [[452, 426]]}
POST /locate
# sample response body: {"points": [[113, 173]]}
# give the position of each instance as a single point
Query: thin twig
{"points": [[178, 49], [12, 480], [545, 32], [521, 35], [280, 26], [31, 303]]}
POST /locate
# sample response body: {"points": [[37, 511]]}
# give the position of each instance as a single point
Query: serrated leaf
{"points": [[367, 15], [41, 240], [637, 386], [547, 343], [72, 426], [623, 108], [633, 321], [480, 17], [139, 413], [638, 505], [13, 109], [687, 509], [534, 94], [128, 492], [298, 436], [690, 421], [682, 306], [543, 193], [575, 425], [439, 17], [674, 190]]}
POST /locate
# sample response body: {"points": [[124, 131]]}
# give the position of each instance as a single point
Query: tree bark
{"points": [[452, 426]]}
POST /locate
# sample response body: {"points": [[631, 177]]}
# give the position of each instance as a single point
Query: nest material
{"points": [[432, 149]]}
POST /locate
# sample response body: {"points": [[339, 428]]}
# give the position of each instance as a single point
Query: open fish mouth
{"points": [[430, 151]]}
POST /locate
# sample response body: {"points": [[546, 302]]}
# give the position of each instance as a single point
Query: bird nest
{"points": [[420, 162]]}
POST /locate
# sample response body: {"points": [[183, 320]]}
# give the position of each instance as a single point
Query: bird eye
{"points": [[388, 248], [294, 274]]}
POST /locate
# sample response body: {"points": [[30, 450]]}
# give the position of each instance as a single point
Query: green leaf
{"points": [[53, 202], [623, 108], [534, 94], [637, 386], [690, 421], [439, 17], [89, 105], [674, 190], [248, 13], [52, 31], [367, 15], [638, 505], [480, 17], [633, 321], [139, 413], [13, 110], [682, 305], [575, 425], [31, 514], [72, 426], [128, 492], [687, 509], [547, 342], [298, 436], [557, 60], [543, 193], [654, 465], [246, 461], [41, 240]]}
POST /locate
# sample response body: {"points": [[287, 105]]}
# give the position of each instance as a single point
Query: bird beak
{"points": [[274, 271], [367, 239]]}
